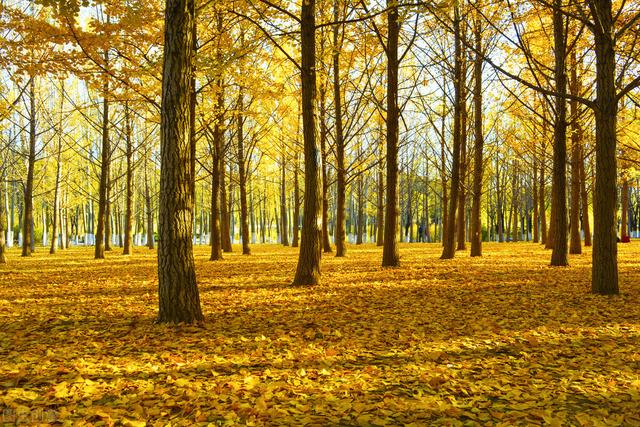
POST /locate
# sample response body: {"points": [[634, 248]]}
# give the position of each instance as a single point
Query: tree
{"points": [[308, 270], [179, 298]]}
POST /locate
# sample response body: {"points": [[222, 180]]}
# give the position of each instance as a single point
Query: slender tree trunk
{"points": [[3, 217], [449, 234], [478, 146], [340, 236], [216, 238], [575, 246], [462, 193], [326, 244], [536, 207], [179, 299], [390, 253], [360, 230], [541, 197], [308, 270], [104, 172], [28, 189], [624, 214], [284, 222], [242, 176], [56, 193], [559, 190], [585, 200], [296, 206], [225, 211], [380, 207], [128, 221]]}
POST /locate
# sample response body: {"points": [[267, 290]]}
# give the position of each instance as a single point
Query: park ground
{"points": [[499, 340]]}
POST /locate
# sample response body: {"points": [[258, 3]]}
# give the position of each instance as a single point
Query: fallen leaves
{"points": [[502, 340]]}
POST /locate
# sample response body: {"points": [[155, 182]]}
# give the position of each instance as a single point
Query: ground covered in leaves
{"points": [[502, 340]]}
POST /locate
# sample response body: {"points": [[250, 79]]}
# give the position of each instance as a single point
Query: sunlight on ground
{"points": [[500, 340]]}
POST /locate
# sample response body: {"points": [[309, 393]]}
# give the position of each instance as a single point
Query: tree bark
{"points": [[31, 161], [179, 299], [56, 193], [604, 274], [242, 176], [586, 227], [478, 145], [308, 270], [341, 179], [296, 207], [624, 211], [380, 207], [559, 189], [326, 244], [575, 246], [390, 253], [128, 220], [449, 237], [104, 171]]}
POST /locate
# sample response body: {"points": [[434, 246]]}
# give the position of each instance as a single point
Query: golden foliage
{"points": [[502, 340]]}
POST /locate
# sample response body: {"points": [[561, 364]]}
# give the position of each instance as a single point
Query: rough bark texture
{"points": [[340, 233], [104, 172], [27, 230], [449, 238], [541, 198], [242, 177], [624, 208], [308, 270], [605, 250], [128, 216], [296, 207], [536, 207], [326, 244], [216, 167], [390, 253], [478, 146], [575, 246], [178, 292], [462, 193], [586, 226], [559, 255]]}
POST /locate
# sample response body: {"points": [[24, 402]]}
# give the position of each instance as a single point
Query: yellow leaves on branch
{"points": [[502, 340]]}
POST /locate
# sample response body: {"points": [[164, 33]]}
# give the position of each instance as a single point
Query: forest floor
{"points": [[500, 340]]}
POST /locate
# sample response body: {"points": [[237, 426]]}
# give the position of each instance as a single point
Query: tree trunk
{"points": [[624, 214], [584, 200], [308, 270], [296, 207], [575, 246], [559, 189], [225, 211], [340, 236], [390, 254], [462, 196], [536, 207], [478, 146], [326, 244], [55, 229], [28, 189], [128, 221], [179, 299], [242, 177], [104, 171], [216, 238], [3, 217], [380, 207], [284, 222], [541, 196], [605, 250], [449, 237]]}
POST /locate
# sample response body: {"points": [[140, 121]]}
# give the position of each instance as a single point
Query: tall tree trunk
{"points": [[559, 189], [28, 189], [604, 274], [108, 217], [216, 237], [478, 145], [3, 217], [104, 171], [225, 211], [308, 270], [380, 207], [624, 214], [55, 229], [284, 222], [242, 176], [179, 299], [326, 244], [584, 200], [448, 251], [462, 193], [296, 206], [390, 253], [536, 207], [541, 197], [340, 237], [443, 168], [360, 230], [128, 220], [575, 246]]}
